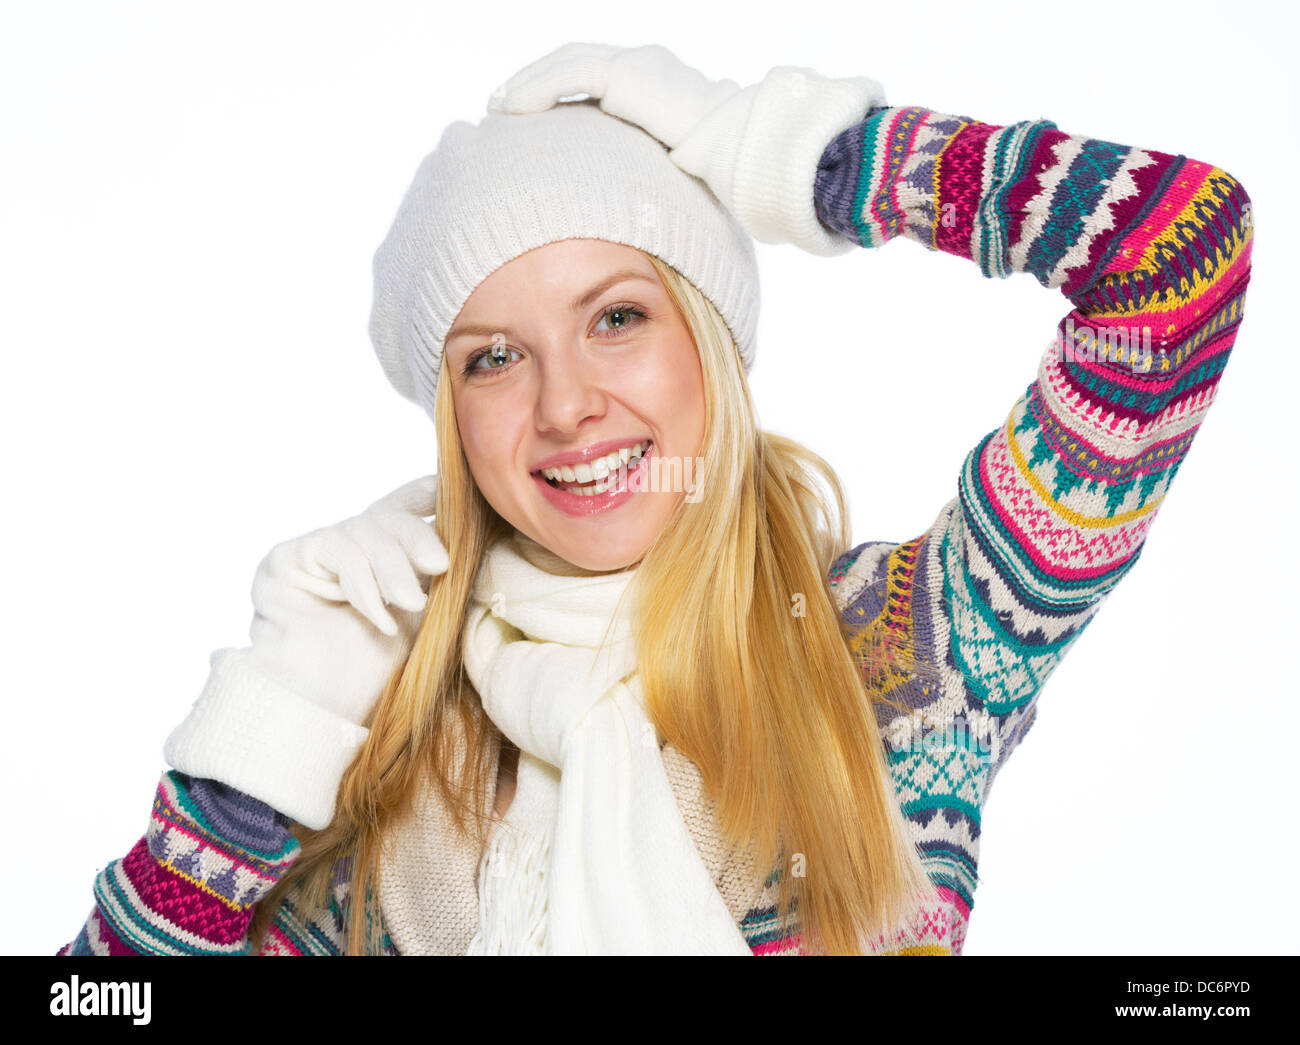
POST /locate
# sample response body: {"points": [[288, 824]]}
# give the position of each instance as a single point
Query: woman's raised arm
{"points": [[1054, 505]]}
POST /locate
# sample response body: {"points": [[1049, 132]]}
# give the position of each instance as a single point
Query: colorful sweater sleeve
{"points": [[189, 886], [1053, 505]]}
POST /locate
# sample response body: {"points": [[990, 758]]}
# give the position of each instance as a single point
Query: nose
{"points": [[568, 392]]}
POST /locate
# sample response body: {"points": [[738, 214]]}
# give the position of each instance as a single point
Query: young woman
{"points": [[637, 693]]}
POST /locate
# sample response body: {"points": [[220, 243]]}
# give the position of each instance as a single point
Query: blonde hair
{"points": [[769, 704]]}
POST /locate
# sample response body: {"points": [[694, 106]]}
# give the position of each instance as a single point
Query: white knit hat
{"points": [[493, 191]]}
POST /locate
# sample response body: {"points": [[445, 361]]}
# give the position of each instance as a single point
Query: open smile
{"points": [[597, 485]]}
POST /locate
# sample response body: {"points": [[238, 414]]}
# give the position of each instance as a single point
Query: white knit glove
{"points": [[757, 148], [282, 720]]}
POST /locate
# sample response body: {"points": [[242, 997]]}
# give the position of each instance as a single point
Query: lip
{"points": [[587, 454], [584, 507]]}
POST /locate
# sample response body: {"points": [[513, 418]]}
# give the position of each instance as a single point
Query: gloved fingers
{"points": [[653, 88], [351, 564], [418, 497], [574, 68], [647, 85], [657, 74], [289, 566], [419, 540], [301, 564], [390, 566]]}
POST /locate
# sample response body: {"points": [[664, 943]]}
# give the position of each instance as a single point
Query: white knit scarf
{"points": [[622, 875]]}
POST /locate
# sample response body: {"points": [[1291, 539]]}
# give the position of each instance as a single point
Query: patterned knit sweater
{"points": [[1052, 508]]}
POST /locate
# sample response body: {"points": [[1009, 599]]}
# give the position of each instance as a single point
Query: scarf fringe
{"points": [[512, 894]]}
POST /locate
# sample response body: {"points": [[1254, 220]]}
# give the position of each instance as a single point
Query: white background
{"points": [[190, 196]]}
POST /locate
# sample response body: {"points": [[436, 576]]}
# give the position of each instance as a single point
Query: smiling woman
{"points": [[683, 715]]}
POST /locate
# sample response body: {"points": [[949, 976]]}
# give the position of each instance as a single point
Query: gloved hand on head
{"points": [[757, 148]]}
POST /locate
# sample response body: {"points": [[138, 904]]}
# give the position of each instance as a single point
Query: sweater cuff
{"points": [[796, 113], [255, 735]]}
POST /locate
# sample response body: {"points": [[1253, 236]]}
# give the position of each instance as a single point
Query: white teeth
{"points": [[596, 471], [591, 491]]}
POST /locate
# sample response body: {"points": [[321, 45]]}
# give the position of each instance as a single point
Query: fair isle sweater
{"points": [[1152, 252]]}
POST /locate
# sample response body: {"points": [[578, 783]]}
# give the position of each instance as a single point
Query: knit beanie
{"points": [[494, 190]]}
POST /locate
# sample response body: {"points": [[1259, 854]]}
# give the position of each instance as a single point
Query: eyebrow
{"points": [[577, 305]]}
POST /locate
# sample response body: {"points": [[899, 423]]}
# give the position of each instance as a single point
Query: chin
{"points": [[601, 556], [605, 543]]}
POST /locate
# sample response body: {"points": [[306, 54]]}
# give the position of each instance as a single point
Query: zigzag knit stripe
{"points": [[1089, 167], [1006, 154]]}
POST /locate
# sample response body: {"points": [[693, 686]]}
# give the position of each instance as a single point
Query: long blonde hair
{"points": [[744, 663]]}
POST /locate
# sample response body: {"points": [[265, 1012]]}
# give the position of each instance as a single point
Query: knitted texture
{"points": [[1052, 508], [259, 736]]}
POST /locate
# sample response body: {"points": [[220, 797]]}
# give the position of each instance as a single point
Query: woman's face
{"points": [[573, 357]]}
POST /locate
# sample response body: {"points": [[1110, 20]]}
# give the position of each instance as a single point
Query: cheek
{"points": [[681, 385], [477, 439]]}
